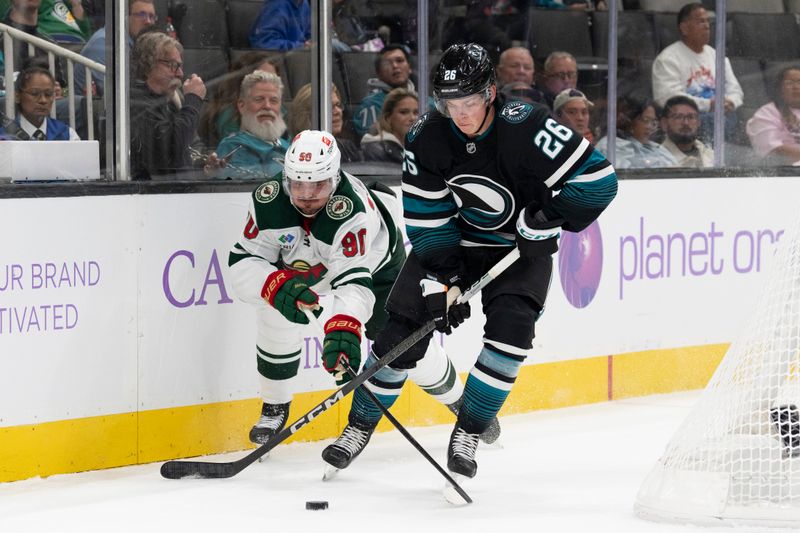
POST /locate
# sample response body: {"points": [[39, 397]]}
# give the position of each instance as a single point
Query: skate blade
{"points": [[263, 457], [496, 445], [450, 493], [330, 472]]}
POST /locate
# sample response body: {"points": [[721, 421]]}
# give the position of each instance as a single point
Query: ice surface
{"points": [[566, 470]]}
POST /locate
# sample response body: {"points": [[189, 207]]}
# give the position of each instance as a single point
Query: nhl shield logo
{"points": [[267, 192], [339, 207]]}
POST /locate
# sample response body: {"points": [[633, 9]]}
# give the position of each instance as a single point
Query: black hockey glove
{"points": [[537, 236], [440, 294]]}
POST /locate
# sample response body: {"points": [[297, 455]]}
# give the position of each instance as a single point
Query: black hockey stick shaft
{"points": [[207, 470], [403, 431]]}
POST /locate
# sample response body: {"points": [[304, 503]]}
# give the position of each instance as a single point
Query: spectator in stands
{"points": [[163, 118], [560, 73], [636, 124], [282, 25], [220, 116], [35, 93], [774, 129], [256, 151], [515, 75], [688, 67], [63, 21], [141, 15], [24, 16], [394, 71], [680, 120], [300, 119], [574, 5], [386, 140], [573, 109]]}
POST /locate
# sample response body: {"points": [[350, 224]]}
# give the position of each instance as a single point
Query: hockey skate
{"points": [[461, 452], [273, 419], [491, 434], [341, 453]]}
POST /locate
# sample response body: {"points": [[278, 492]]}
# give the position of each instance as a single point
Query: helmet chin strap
{"points": [[485, 116]]}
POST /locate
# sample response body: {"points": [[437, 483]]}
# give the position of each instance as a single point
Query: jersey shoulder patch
{"points": [[416, 128], [267, 192], [515, 112], [344, 205], [272, 207], [431, 125]]}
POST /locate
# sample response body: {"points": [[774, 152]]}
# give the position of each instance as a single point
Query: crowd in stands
{"points": [[238, 125]]}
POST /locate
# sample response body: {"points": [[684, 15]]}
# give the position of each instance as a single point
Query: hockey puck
{"points": [[316, 506]]}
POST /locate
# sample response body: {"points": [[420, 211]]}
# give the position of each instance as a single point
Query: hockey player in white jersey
{"points": [[317, 230]]}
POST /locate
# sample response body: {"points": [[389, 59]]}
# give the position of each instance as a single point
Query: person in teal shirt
{"points": [[256, 151], [63, 21]]}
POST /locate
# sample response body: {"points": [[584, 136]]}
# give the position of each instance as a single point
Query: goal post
{"points": [[736, 457]]}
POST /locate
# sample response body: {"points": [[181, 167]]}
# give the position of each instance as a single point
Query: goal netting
{"points": [[736, 458]]}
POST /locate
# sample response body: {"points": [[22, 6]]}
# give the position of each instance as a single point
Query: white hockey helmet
{"points": [[311, 170]]}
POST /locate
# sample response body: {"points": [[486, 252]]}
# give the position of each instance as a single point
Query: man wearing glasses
{"points": [[142, 15], [680, 121], [560, 73], [163, 117]]}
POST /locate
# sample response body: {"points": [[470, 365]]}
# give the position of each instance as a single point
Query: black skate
{"points": [[491, 434], [461, 452], [341, 453], [273, 418]]}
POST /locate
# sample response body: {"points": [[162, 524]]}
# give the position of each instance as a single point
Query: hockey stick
{"points": [[206, 470], [395, 422], [403, 431]]}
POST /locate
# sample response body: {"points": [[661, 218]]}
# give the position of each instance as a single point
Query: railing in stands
{"points": [[52, 49]]}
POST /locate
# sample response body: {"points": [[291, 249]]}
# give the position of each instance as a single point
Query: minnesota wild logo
{"points": [[267, 192], [339, 207], [309, 272]]}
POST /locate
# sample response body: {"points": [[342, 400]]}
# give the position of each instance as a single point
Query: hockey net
{"points": [[736, 458]]}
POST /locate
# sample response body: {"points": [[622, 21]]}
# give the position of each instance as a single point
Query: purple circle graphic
{"points": [[580, 264]]}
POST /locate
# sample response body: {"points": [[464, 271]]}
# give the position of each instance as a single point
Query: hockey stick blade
{"points": [[209, 470]]}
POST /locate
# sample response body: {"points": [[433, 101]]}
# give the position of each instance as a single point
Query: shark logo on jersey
{"points": [[481, 202], [267, 192], [416, 128], [516, 111]]}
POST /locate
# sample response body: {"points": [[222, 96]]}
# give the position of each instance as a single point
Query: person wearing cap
{"points": [[572, 108]]}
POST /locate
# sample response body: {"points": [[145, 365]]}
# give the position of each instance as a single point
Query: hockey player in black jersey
{"points": [[478, 179]]}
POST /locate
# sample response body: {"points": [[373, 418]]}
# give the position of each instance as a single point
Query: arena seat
{"points": [[773, 36], [240, 16], [636, 36]]}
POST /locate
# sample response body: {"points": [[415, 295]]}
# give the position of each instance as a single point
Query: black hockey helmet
{"points": [[464, 69]]}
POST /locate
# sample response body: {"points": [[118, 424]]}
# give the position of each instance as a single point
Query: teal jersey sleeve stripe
{"points": [[596, 159], [427, 241], [428, 208]]}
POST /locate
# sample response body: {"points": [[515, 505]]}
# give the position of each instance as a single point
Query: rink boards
{"points": [[122, 342]]}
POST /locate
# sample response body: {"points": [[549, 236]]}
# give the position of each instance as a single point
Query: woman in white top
{"points": [[636, 123], [774, 129]]}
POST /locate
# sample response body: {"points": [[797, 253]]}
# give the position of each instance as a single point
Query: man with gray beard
{"points": [[256, 151]]}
